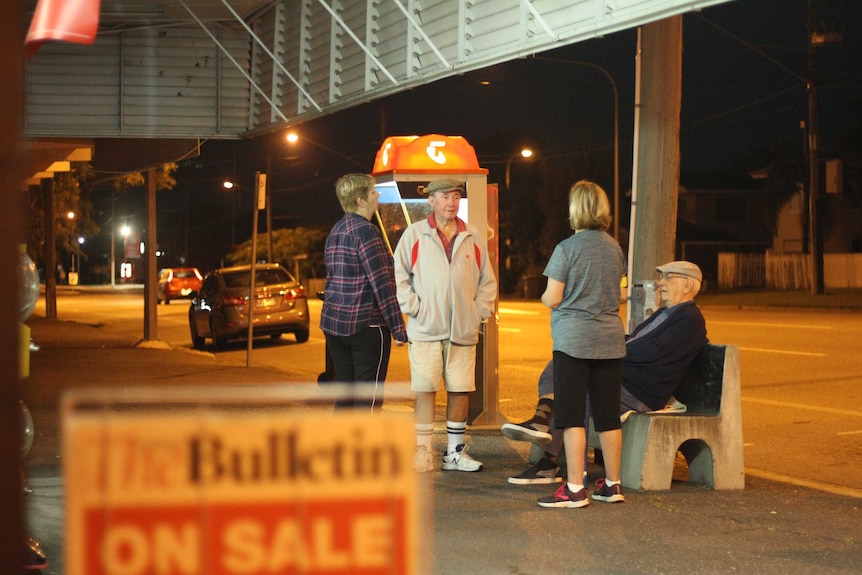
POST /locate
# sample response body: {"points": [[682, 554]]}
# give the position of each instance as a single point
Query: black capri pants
{"points": [[574, 378]]}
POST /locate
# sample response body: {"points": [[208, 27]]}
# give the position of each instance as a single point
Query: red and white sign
{"points": [[229, 494]]}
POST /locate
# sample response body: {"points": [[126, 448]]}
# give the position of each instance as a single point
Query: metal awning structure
{"points": [[197, 69]]}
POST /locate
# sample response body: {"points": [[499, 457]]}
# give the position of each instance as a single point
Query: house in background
{"points": [[841, 211], [719, 220], [787, 262]]}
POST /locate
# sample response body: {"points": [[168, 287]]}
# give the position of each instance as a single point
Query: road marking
{"points": [[809, 407], [780, 325], [513, 311], [782, 351], [819, 485]]}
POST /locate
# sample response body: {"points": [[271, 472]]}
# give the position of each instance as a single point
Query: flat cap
{"points": [[445, 185], [682, 268]]}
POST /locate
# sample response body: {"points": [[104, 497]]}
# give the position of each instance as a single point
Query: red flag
{"points": [[65, 20]]}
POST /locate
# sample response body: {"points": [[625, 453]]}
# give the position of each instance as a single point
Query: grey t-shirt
{"points": [[587, 324]]}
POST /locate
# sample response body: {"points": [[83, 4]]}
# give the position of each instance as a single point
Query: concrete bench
{"points": [[708, 434]]}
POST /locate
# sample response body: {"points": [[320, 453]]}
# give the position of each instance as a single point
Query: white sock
{"points": [[574, 487], [610, 483], [455, 431], [424, 434]]}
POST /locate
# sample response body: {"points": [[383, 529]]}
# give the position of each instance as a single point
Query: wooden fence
{"points": [[787, 271]]}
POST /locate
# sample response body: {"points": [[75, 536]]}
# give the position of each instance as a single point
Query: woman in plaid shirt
{"points": [[360, 310]]}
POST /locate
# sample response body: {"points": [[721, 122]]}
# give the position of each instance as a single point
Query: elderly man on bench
{"points": [[658, 353]]}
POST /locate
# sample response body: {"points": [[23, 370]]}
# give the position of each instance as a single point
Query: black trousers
{"points": [[361, 361]]}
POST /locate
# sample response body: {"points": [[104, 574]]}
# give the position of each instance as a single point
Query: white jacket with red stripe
{"points": [[444, 300]]}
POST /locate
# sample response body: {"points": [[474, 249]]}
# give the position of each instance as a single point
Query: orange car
{"points": [[176, 283]]}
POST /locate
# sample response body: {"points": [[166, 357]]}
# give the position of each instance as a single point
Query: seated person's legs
{"points": [[540, 430], [537, 429]]}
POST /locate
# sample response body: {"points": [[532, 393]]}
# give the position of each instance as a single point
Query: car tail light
{"points": [[295, 293], [227, 300]]}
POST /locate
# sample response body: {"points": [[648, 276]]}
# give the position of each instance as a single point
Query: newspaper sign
{"points": [[201, 492]]}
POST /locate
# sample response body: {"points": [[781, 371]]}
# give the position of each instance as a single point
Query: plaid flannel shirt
{"points": [[360, 281]]}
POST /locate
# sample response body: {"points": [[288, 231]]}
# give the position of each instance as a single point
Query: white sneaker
{"points": [[458, 460], [423, 461]]}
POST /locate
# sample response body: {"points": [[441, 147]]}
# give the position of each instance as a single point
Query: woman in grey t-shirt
{"points": [[583, 292]]}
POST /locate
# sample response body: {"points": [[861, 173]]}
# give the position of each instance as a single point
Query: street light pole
{"points": [[616, 131], [113, 246], [523, 153]]}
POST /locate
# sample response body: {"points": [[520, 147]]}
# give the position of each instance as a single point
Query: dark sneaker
{"points": [[543, 472], [562, 497], [529, 430], [459, 460], [608, 493]]}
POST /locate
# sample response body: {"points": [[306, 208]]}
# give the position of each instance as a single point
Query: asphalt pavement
{"points": [[479, 523]]}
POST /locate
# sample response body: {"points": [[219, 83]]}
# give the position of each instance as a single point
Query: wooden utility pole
{"points": [[815, 229], [151, 246], [50, 255], [655, 189]]}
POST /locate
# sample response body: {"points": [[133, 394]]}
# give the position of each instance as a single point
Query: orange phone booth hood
{"points": [[432, 154]]}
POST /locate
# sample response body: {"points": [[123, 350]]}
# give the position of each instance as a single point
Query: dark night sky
{"points": [[744, 63]]}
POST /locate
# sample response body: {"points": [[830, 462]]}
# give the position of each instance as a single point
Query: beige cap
{"points": [[445, 185], [682, 268]]}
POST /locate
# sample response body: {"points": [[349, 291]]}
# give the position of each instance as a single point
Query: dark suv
{"points": [[220, 309]]}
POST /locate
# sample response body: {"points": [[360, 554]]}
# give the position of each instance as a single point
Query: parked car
{"points": [[220, 310], [175, 283]]}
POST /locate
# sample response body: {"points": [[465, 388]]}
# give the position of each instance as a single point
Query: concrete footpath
{"points": [[480, 523]]}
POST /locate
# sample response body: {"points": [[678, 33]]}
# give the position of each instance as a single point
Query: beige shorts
{"points": [[434, 361]]}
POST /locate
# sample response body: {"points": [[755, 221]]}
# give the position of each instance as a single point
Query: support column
{"points": [[50, 253], [151, 246], [656, 186]]}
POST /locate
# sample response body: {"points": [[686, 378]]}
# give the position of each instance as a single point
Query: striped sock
{"points": [[424, 434], [455, 431]]}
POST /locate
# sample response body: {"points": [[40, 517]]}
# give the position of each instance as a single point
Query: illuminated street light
{"points": [[70, 215], [524, 153], [124, 231], [291, 138]]}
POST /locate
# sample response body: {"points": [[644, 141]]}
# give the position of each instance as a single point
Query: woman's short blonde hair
{"points": [[589, 208], [350, 187]]}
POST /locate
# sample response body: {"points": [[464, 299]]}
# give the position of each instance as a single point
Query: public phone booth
{"points": [[403, 168]]}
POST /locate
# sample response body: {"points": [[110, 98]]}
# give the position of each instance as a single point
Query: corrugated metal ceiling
{"points": [[240, 68]]}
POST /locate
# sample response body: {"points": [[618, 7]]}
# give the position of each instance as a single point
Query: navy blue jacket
{"points": [[655, 363]]}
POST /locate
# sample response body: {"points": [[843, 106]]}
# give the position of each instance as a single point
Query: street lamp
{"points": [[525, 153], [290, 138], [70, 215], [616, 131], [229, 185]]}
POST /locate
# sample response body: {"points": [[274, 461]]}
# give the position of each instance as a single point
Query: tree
{"points": [[72, 194], [288, 243], [132, 180]]}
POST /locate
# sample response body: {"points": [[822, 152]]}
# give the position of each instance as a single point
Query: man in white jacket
{"points": [[446, 287]]}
